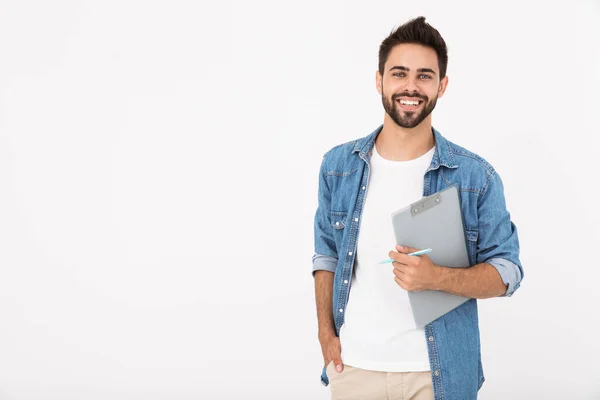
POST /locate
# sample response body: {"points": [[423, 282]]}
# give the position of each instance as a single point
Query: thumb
{"points": [[339, 366]]}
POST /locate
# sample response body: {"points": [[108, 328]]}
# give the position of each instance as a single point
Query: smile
{"points": [[409, 105]]}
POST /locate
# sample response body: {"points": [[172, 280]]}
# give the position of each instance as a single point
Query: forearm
{"points": [[481, 281], [324, 300]]}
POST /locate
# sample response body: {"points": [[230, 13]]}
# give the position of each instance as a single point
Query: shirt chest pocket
{"points": [[338, 223]]}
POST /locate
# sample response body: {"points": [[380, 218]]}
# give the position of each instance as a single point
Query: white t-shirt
{"points": [[379, 332]]}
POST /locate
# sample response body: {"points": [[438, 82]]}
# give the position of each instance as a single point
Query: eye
{"points": [[399, 74], [423, 76]]}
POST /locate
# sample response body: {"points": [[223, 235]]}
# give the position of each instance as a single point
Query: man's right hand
{"points": [[332, 351]]}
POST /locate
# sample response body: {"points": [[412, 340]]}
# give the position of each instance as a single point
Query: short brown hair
{"points": [[419, 32]]}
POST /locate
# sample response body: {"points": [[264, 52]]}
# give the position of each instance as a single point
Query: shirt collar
{"points": [[443, 155]]}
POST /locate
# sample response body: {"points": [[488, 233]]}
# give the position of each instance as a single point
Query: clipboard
{"points": [[435, 221]]}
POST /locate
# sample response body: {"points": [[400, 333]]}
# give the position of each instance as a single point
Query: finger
{"points": [[399, 257], [405, 284], [393, 255], [403, 275], [405, 249], [406, 260], [401, 283], [399, 271], [337, 361]]}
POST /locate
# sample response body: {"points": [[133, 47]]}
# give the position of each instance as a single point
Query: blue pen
{"points": [[416, 253]]}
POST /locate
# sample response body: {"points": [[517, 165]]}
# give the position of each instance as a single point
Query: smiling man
{"points": [[371, 346]]}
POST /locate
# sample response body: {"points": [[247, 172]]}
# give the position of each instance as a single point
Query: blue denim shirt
{"points": [[453, 339]]}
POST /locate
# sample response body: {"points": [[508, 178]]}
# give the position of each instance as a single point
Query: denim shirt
{"points": [[453, 339]]}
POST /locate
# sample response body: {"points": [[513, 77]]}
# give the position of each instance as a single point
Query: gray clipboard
{"points": [[434, 221]]}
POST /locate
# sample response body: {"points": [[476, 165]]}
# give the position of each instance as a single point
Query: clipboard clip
{"points": [[425, 204]]}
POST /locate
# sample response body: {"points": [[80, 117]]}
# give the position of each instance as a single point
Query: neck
{"points": [[396, 143]]}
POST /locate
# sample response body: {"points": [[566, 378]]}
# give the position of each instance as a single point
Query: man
{"points": [[371, 347]]}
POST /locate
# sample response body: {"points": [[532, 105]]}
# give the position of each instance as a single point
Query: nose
{"points": [[410, 86]]}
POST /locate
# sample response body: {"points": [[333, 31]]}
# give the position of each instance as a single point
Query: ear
{"points": [[443, 86], [378, 82]]}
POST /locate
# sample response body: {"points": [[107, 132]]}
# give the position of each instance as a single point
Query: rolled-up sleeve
{"points": [[498, 243], [325, 257], [509, 272], [326, 263]]}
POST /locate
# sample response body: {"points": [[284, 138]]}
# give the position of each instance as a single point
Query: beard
{"points": [[408, 119]]}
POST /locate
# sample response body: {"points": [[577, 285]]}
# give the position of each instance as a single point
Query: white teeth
{"points": [[409, 103]]}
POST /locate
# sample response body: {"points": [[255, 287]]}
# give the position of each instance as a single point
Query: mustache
{"points": [[415, 95]]}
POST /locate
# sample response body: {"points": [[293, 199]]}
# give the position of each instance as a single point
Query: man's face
{"points": [[410, 84]]}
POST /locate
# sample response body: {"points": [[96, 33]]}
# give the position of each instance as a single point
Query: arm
{"points": [[325, 257], [497, 271], [498, 242], [330, 343], [481, 281], [324, 297], [323, 270], [415, 273]]}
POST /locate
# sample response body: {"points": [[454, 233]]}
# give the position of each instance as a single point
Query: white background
{"points": [[158, 177]]}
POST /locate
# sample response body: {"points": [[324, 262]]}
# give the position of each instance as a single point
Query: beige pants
{"points": [[359, 384]]}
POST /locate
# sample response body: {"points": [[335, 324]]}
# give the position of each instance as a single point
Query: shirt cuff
{"points": [[323, 263], [509, 272]]}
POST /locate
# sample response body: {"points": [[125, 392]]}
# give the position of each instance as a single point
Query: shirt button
{"points": [[431, 338], [345, 282], [355, 219], [436, 373], [337, 224], [350, 253], [343, 311], [364, 187]]}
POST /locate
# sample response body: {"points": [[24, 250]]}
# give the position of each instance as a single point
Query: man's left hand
{"points": [[414, 273]]}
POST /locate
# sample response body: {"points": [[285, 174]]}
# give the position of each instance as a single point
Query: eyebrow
{"points": [[402, 68]]}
